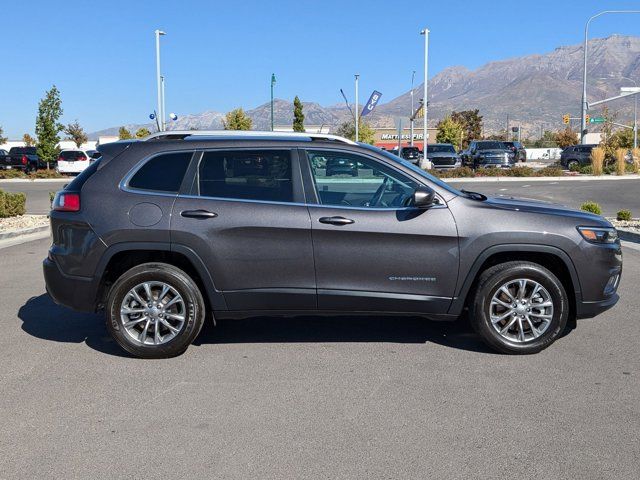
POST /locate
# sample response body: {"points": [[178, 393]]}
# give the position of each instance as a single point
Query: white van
{"points": [[74, 161]]}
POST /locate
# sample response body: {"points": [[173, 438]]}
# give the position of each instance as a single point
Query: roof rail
{"points": [[182, 134]]}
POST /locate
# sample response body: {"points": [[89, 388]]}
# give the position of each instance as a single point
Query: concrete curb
{"points": [[581, 178], [23, 232], [36, 180]]}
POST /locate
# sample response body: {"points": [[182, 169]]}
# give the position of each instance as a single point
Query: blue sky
{"points": [[220, 55]]}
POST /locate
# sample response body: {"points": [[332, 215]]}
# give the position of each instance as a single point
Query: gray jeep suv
{"points": [[161, 231]]}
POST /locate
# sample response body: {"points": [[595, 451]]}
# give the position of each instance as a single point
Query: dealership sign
{"points": [[371, 103]]}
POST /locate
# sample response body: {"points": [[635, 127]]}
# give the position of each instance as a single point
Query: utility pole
{"points": [[425, 135], [357, 113], [158, 33], [164, 121], [273, 82], [411, 116]]}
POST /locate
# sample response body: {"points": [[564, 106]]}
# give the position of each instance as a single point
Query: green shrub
{"points": [[12, 204], [492, 172], [592, 207], [45, 174], [459, 172], [550, 171], [586, 169], [52, 195], [623, 215], [576, 167], [520, 171], [12, 174]]}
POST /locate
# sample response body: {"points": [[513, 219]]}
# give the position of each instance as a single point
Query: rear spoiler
{"points": [[111, 150]]}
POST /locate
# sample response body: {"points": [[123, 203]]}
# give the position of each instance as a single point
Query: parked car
{"points": [[518, 149], [409, 153], [488, 153], [341, 166], [163, 234], [73, 161], [22, 158], [443, 155], [576, 156]]}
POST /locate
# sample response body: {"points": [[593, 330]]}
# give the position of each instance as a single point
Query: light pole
{"points": [[159, 80], [585, 104], [413, 75], [356, 110], [425, 105], [273, 82]]}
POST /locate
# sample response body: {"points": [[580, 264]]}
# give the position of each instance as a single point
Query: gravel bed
{"points": [[22, 222], [631, 225]]}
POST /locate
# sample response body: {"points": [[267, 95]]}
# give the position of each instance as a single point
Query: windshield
{"points": [[491, 146], [412, 167], [440, 149]]}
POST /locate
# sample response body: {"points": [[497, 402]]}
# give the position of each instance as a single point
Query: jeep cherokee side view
{"points": [[161, 231]]}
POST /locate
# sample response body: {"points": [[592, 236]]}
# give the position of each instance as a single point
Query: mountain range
{"points": [[534, 91]]}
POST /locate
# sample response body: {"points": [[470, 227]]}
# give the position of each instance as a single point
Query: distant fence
{"points": [[551, 154]]}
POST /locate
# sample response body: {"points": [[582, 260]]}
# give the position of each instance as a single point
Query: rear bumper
{"points": [[592, 309], [78, 293]]}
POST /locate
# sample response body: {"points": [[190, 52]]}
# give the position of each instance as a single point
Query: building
{"points": [[387, 138]]}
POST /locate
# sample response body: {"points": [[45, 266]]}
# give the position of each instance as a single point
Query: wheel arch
{"points": [[552, 258], [122, 256]]}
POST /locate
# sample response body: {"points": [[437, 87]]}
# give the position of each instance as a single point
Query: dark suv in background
{"points": [[488, 153], [160, 231], [518, 149], [576, 156], [443, 155]]}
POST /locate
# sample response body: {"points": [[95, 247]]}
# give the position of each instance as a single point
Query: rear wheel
{"points": [[573, 164], [519, 307], [155, 310]]}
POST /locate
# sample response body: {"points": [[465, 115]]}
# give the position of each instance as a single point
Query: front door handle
{"points": [[198, 214], [336, 220]]}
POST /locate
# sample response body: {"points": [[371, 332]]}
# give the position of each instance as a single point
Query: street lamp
{"points": [[585, 105], [413, 75], [273, 82], [356, 111], [425, 32], [158, 33]]}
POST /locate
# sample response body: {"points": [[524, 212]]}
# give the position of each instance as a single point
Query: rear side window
{"points": [[246, 175], [163, 173], [72, 155]]}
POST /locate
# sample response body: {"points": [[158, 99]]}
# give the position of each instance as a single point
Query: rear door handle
{"points": [[198, 214], [336, 220]]}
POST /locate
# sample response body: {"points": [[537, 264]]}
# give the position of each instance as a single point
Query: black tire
{"points": [[156, 272], [572, 163], [489, 283]]}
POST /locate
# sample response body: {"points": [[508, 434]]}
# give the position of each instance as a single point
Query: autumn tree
{"points": [[237, 120], [365, 132], [471, 122], [124, 134], [3, 139], [76, 133], [142, 132], [28, 140], [450, 131], [298, 116], [566, 138]]}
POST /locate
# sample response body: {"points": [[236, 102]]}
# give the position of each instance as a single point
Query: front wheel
{"points": [[573, 165], [155, 310], [519, 307]]}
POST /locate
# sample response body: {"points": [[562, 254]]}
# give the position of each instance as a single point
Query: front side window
{"points": [[163, 173], [348, 179], [246, 175]]}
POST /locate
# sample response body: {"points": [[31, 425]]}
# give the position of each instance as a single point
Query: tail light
{"points": [[61, 158], [66, 202], [24, 159]]}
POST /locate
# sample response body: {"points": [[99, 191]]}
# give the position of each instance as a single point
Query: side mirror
{"points": [[423, 197]]}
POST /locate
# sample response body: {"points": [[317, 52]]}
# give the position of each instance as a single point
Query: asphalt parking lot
{"points": [[312, 397]]}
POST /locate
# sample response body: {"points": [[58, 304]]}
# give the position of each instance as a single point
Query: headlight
{"points": [[599, 234]]}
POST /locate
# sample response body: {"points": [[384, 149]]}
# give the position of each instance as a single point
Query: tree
{"points": [[3, 139], [298, 116], [365, 132], [124, 134], [565, 138], [623, 138], [471, 122], [237, 120], [28, 140], [142, 132], [48, 127], [76, 133], [450, 131], [608, 140]]}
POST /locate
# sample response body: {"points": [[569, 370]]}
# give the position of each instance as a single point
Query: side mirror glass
{"points": [[423, 197]]}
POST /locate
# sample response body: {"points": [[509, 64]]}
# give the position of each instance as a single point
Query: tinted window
{"points": [[23, 150], [163, 173], [490, 146], [247, 175], [353, 180], [440, 149], [72, 155]]}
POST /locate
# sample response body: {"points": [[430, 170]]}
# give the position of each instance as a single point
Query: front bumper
{"points": [[78, 293], [592, 309]]}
